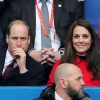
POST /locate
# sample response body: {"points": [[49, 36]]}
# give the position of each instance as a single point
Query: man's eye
{"points": [[79, 78], [23, 39], [15, 38]]}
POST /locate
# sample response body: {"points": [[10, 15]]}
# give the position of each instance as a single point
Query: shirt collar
{"points": [[57, 97], [50, 1], [9, 59], [8, 56]]}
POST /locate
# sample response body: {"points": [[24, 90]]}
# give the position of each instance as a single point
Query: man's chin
{"points": [[81, 91]]}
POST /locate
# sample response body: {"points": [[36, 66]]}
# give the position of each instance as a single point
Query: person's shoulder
{"points": [[70, 1], [3, 45], [86, 97], [69, 4], [38, 99], [20, 1], [47, 93]]}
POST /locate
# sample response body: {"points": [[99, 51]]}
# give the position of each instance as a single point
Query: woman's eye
{"points": [[75, 36]]}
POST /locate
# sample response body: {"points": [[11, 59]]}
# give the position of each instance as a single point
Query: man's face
{"points": [[73, 93], [18, 38], [75, 85]]}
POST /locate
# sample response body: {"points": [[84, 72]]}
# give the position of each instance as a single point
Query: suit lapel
{"points": [[15, 71], [57, 11], [2, 57], [31, 17]]}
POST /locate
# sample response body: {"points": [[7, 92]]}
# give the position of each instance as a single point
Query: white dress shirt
{"points": [[8, 60], [57, 97], [54, 42]]}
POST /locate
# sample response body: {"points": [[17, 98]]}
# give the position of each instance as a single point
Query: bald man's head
{"points": [[65, 70]]}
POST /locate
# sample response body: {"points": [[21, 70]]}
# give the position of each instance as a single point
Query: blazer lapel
{"points": [[31, 17], [2, 57], [57, 11], [15, 71]]}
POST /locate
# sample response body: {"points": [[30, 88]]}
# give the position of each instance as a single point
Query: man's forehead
{"points": [[75, 74], [17, 26], [19, 30], [18, 35]]}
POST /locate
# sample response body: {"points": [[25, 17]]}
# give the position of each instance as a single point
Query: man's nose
{"points": [[18, 42], [82, 82]]}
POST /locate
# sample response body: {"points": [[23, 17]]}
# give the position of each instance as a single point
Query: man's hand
{"points": [[46, 55], [36, 55], [53, 56], [20, 57], [39, 56]]}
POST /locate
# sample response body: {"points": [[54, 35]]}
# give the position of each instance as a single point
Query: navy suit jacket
{"points": [[33, 77]]}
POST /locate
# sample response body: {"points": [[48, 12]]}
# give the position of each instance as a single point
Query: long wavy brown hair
{"points": [[93, 54]]}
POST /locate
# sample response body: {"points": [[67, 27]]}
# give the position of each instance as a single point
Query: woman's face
{"points": [[81, 40]]}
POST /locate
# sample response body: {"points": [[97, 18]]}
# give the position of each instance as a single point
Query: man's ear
{"points": [[29, 40], [7, 38], [63, 83]]}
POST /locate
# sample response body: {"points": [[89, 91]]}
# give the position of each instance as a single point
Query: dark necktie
{"points": [[46, 41], [9, 69]]}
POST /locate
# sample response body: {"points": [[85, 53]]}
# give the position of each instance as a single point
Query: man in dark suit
{"points": [[27, 10], [25, 71]]}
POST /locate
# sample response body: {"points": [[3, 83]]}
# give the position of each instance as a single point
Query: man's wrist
{"points": [[30, 50], [22, 71]]}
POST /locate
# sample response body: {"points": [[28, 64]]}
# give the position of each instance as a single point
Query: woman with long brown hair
{"points": [[82, 49]]}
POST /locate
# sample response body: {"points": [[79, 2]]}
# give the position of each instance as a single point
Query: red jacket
{"points": [[82, 64]]}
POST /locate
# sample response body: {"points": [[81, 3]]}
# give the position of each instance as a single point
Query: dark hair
{"points": [[17, 22], [93, 54]]}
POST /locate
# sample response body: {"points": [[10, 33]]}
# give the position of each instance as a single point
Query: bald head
{"points": [[66, 70]]}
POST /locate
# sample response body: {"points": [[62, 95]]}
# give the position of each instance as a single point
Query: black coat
{"points": [[33, 77], [48, 94]]}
